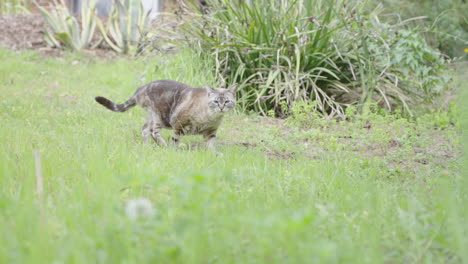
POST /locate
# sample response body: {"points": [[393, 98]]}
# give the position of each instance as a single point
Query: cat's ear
{"points": [[232, 89], [210, 90]]}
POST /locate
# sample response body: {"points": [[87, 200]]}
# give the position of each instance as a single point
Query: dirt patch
{"points": [[22, 31], [281, 141], [281, 155]]}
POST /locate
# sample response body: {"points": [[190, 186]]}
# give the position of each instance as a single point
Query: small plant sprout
{"points": [[139, 208]]}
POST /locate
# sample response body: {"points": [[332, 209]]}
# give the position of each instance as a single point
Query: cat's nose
{"points": [[221, 107]]}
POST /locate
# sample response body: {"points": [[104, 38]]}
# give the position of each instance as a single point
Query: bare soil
{"points": [[22, 31]]}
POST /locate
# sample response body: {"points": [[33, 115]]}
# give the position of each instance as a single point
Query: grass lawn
{"points": [[377, 189]]}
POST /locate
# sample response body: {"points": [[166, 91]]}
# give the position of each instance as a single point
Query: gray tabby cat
{"points": [[175, 105]]}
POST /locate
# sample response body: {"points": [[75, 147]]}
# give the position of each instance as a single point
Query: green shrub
{"points": [[444, 23], [330, 52], [403, 68], [418, 63]]}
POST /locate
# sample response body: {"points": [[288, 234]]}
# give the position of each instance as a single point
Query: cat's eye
{"points": [[216, 102]]}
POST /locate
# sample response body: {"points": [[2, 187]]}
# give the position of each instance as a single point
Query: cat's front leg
{"points": [[210, 141]]}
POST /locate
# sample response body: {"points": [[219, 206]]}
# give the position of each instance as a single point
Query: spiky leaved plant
{"points": [[65, 30], [126, 26]]}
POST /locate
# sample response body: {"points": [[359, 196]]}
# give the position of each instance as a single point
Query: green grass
{"points": [[296, 191]]}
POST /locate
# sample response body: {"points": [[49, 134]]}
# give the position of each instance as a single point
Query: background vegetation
{"points": [[336, 53], [444, 24]]}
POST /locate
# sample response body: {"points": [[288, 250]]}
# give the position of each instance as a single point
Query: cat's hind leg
{"points": [[176, 137], [153, 127], [155, 133], [146, 131]]}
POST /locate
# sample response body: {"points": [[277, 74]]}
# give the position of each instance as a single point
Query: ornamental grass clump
{"points": [[330, 52]]}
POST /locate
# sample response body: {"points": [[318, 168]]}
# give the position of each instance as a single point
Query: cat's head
{"points": [[221, 100]]}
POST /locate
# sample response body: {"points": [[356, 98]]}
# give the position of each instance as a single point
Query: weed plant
{"points": [[444, 23]]}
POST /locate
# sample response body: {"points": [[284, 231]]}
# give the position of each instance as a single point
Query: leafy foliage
{"points": [[418, 63], [444, 23], [399, 68], [331, 52]]}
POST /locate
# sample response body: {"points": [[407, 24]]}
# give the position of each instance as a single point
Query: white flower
{"points": [[138, 208]]}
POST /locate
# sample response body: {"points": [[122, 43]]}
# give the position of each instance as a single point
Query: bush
{"points": [[444, 23], [330, 52]]}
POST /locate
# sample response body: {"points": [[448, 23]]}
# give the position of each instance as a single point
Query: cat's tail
{"points": [[116, 107]]}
